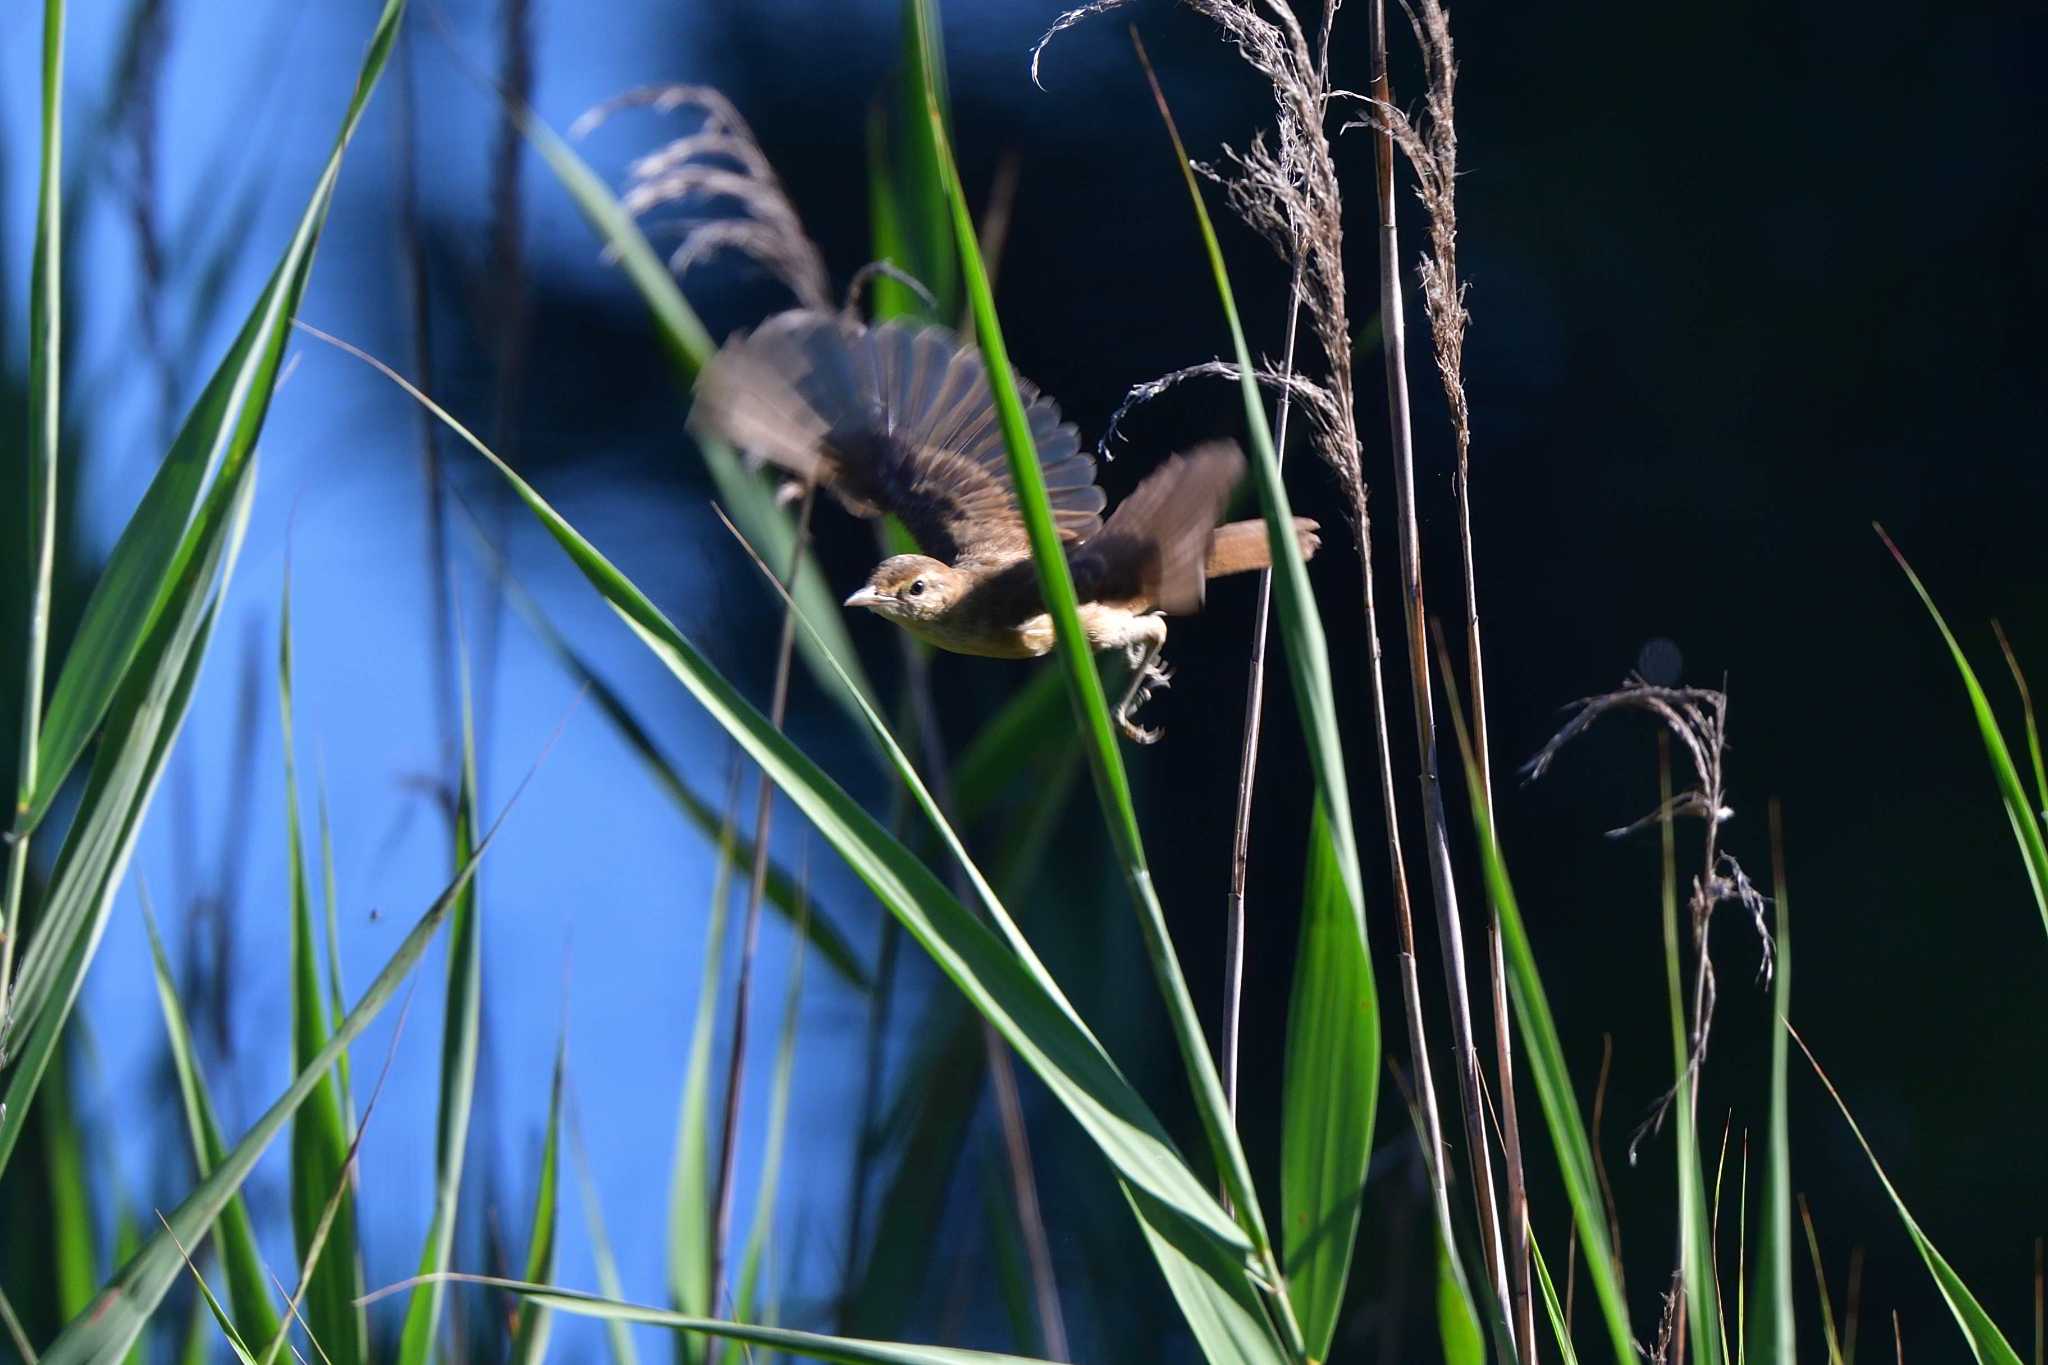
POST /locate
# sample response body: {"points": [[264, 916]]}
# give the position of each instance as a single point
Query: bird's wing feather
{"points": [[1155, 546], [895, 419]]}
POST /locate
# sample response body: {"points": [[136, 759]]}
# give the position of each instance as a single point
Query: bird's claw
{"points": [[1152, 675], [1135, 732]]}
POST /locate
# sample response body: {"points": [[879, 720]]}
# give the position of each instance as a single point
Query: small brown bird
{"points": [[899, 419]]}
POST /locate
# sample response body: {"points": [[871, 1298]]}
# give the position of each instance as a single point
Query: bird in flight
{"points": [[898, 419]]}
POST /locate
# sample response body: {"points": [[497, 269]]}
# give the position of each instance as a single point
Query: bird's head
{"points": [[908, 588]]}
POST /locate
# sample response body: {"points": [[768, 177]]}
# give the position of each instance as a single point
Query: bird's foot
{"points": [[1150, 676]]}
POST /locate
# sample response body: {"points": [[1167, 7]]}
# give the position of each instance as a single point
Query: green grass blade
{"points": [[221, 428], [337, 1002], [845, 1350], [1002, 977], [461, 1022], [1695, 1245], [1558, 1328], [144, 722], [1215, 1298], [319, 1142], [911, 225], [1033, 731], [1333, 1053], [747, 495], [689, 1207], [248, 1284], [72, 1244], [2026, 821], [125, 1304], [1084, 684], [45, 364], [1347, 1135], [2032, 726], [1457, 1323], [831, 943], [530, 1335], [761, 1229], [1772, 1327], [618, 1335], [1549, 1073], [1987, 1344]]}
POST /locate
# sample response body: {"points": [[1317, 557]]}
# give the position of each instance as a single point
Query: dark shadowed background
{"points": [[1744, 279]]}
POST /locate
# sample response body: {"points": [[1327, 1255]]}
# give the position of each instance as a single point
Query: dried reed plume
{"points": [[1697, 718], [721, 163]]}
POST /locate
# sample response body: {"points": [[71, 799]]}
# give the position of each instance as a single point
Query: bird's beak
{"points": [[866, 597]]}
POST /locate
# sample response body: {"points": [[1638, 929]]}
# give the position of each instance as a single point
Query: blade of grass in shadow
{"points": [[72, 1242], [831, 943], [1559, 1327], [221, 1320], [461, 1023], [746, 1290], [530, 1334], [125, 1304], [808, 1344], [222, 428], [749, 497], [45, 360], [144, 722], [2033, 729], [1338, 1146], [1092, 713], [248, 1284], [1696, 1264], [1001, 976], [689, 1201], [1986, 1342], [2026, 822], [618, 1335], [1549, 1073], [1772, 1330], [319, 1141]]}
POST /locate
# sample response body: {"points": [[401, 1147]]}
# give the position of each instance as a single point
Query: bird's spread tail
{"points": [[1242, 546]]}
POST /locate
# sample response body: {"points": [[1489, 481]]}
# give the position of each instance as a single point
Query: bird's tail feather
{"points": [[1242, 546]]}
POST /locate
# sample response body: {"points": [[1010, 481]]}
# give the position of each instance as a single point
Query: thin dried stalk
{"points": [[1430, 145], [1248, 763], [1393, 332], [757, 887], [1287, 190]]}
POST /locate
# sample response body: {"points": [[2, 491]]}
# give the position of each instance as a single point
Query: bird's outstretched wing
{"points": [[1154, 550], [897, 419]]}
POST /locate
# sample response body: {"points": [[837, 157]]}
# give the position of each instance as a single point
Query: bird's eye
{"points": [[917, 588]]}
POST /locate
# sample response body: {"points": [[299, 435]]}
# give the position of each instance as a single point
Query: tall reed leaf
{"points": [[221, 428], [2026, 822], [45, 361], [1345, 1039], [320, 1140], [117, 1315], [1562, 1331], [1457, 1321], [530, 1334], [1333, 1054], [781, 893], [747, 495], [746, 1300], [1084, 684], [461, 1022], [808, 1344], [1552, 1078], [1987, 1344], [248, 1284], [1772, 1329], [1002, 977], [143, 724]]}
